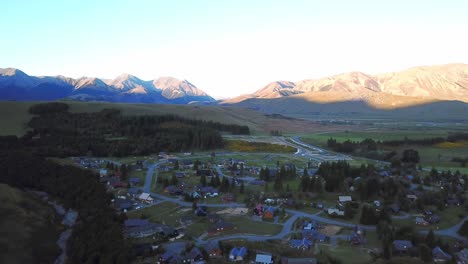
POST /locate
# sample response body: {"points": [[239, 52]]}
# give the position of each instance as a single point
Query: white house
{"points": [[263, 259], [344, 199], [145, 197], [336, 211]]}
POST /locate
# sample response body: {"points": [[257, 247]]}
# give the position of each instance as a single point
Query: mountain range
{"points": [[17, 85], [414, 86]]}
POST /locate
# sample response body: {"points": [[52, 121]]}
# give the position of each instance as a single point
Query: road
{"points": [[287, 226]]}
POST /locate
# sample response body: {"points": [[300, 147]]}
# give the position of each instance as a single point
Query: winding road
{"points": [[288, 225]]}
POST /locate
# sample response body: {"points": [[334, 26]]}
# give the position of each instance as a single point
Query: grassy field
{"points": [[165, 213], [14, 116], [28, 227], [347, 254], [439, 156], [245, 146]]}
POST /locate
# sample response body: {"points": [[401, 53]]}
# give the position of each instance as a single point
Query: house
{"points": [[124, 205], [335, 211], [269, 212], [134, 192], [193, 256], [237, 254], [119, 184], [187, 163], [286, 260], [301, 243], [146, 198], [134, 181], [206, 172], [173, 190], [432, 219], [263, 259], [163, 168], [151, 229], [129, 223], [170, 257], [309, 225], [402, 246], [438, 255], [453, 202], [394, 208], [180, 174], [201, 211], [213, 250], [421, 221], [314, 236], [102, 172], [345, 199], [411, 197], [220, 226], [207, 190], [195, 195], [357, 238], [257, 182], [462, 256], [258, 210], [214, 218]]}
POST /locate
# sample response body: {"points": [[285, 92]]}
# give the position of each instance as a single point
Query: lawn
{"points": [[165, 213], [249, 146], [439, 156], [449, 217], [347, 254], [244, 225]]}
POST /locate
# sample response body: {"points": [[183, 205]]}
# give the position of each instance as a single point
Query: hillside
{"points": [[317, 105], [28, 228], [440, 82], [17, 85], [14, 116]]}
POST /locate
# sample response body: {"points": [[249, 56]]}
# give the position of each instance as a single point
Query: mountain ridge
{"points": [[438, 82], [17, 85]]}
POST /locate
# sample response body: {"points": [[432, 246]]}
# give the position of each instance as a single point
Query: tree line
{"points": [[98, 234], [57, 132]]}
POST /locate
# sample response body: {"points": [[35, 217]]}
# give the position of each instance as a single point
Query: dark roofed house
{"points": [[207, 190], [151, 229], [438, 255], [402, 246], [300, 243], [174, 190], [170, 257], [124, 205], [134, 192], [313, 235], [462, 256], [432, 219], [180, 174], [257, 182], [213, 250], [206, 172], [129, 223], [201, 211], [214, 218], [220, 226], [134, 181], [394, 208], [194, 255], [238, 254]]}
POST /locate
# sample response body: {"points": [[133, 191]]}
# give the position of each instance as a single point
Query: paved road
{"points": [[287, 226]]}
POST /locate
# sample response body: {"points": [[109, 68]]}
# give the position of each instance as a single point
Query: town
{"points": [[306, 206]]}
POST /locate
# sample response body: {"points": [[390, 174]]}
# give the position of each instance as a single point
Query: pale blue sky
{"points": [[229, 47]]}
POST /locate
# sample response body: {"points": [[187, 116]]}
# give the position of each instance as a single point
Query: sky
{"points": [[230, 47]]}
